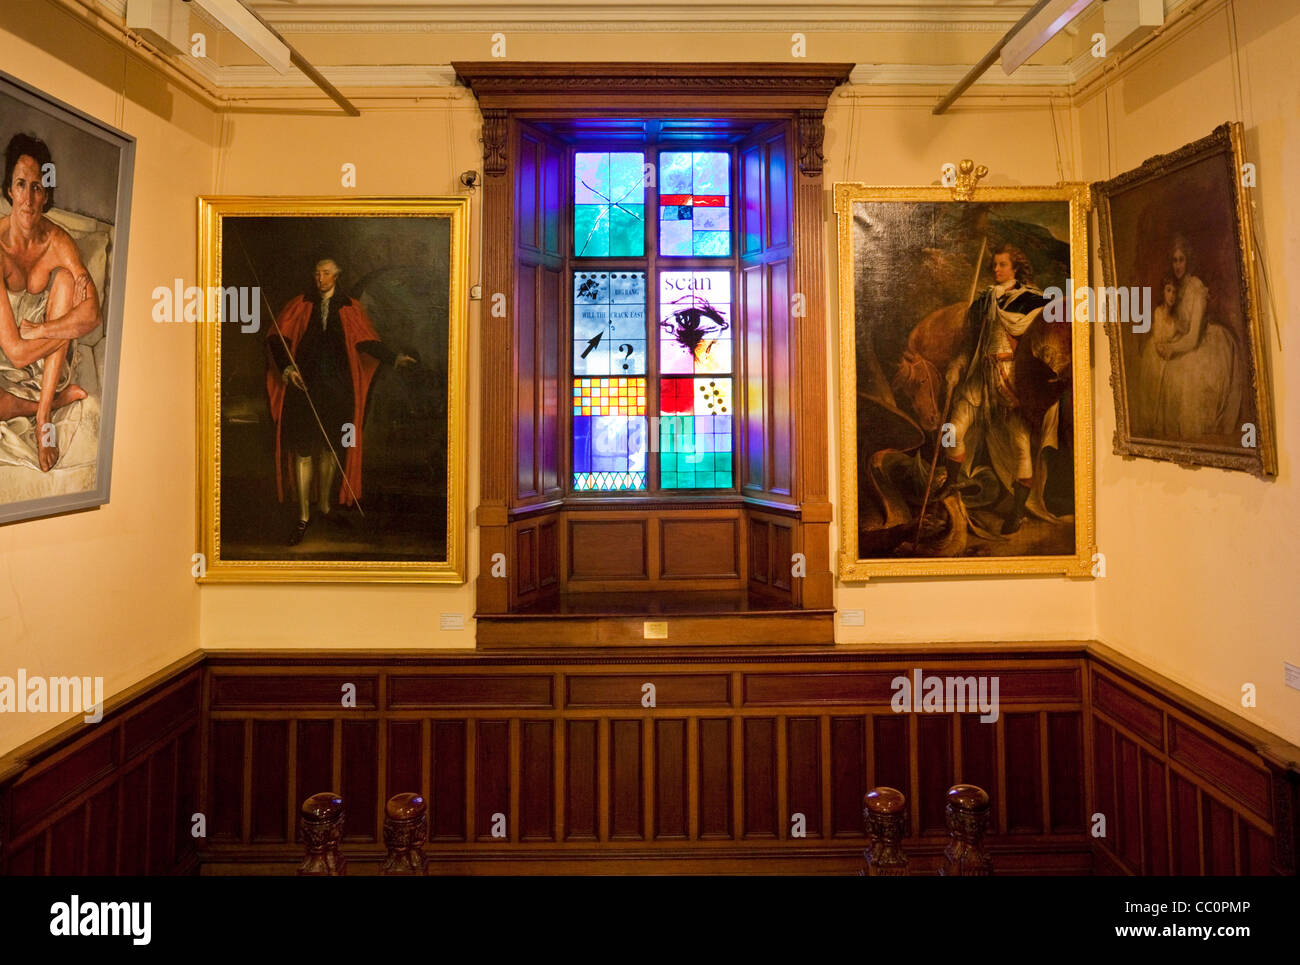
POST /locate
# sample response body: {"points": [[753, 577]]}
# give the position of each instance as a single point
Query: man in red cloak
{"points": [[324, 352]]}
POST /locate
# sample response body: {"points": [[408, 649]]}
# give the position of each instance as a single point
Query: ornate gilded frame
{"points": [[1226, 141], [212, 211], [1081, 562]]}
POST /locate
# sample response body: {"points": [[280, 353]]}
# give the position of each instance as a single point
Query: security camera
{"points": [[469, 179]]}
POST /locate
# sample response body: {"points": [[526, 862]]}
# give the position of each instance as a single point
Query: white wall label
{"points": [[451, 621], [1292, 674], [853, 618]]}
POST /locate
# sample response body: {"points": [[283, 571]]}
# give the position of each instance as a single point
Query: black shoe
{"points": [[954, 483], [1017, 515], [299, 531]]}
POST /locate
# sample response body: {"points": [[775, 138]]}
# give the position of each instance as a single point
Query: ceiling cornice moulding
{"points": [[966, 16]]}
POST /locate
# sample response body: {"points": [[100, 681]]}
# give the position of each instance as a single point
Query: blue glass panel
{"points": [[582, 443]]}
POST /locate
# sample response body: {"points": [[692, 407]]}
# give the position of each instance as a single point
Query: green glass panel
{"points": [[591, 230], [626, 231]]}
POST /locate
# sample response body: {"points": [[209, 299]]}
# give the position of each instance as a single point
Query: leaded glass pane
{"points": [[694, 322], [609, 330], [608, 204], [609, 433], [695, 433], [695, 203]]}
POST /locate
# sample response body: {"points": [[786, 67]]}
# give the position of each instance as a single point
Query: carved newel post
{"points": [[884, 812], [322, 830], [405, 830], [968, 820]]}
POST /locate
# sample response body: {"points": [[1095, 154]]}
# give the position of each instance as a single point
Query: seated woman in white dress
{"points": [[1190, 378], [50, 298]]}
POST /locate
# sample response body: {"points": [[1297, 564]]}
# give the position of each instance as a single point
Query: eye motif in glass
{"points": [[695, 433], [695, 322], [609, 204], [695, 203]]}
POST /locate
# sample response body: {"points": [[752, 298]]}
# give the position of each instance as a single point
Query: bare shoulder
{"points": [[63, 249]]}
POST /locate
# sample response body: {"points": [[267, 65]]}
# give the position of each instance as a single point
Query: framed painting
{"points": [[332, 381], [64, 223], [965, 393], [1188, 368]]}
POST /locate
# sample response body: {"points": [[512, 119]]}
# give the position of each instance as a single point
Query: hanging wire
{"points": [[1238, 91]]}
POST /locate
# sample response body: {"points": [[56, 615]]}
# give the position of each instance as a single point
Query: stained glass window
{"points": [[695, 203], [695, 433], [609, 204], [695, 413], [694, 322], [643, 346]]}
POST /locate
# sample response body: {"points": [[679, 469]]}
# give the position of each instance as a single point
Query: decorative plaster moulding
{"points": [[353, 77]]}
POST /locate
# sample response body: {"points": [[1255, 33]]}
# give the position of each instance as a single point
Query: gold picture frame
{"points": [[1142, 215], [1077, 541], [414, 252]]}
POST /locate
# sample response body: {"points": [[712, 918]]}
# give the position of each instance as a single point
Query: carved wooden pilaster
{"points": [[816, 589], [884, 815], [968, 821], [322, 830], [496, 349], [811, 132], [494, 141], [406, 827]]}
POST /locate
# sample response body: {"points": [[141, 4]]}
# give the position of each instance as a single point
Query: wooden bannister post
{"points": [[322, 830], [968, 820], [884, 813], [405, 831]]}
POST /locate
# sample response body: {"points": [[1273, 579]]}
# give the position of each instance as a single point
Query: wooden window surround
{"points": [[583, 568]]}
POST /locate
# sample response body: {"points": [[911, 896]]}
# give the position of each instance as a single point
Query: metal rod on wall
{"points": [[987, 60]]}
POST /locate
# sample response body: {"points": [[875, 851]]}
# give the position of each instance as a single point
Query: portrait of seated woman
{"points": [[51, 327], [1190, 375]]}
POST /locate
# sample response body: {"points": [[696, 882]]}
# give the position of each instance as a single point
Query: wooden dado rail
{"points": [[746, 759]]}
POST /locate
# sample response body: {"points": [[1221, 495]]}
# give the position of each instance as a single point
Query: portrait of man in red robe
{"points": [[323, 352]]}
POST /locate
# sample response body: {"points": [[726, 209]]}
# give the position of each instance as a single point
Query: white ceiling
{"points": [[364, 15]]}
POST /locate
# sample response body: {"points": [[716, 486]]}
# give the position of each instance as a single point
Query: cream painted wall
{"points": [[108, 592], [1201, 578]]}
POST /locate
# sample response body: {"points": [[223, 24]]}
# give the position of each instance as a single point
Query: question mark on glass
{"points": [[627, 354]]}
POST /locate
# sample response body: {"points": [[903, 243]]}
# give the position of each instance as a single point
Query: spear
{"points": [[934, 462]]}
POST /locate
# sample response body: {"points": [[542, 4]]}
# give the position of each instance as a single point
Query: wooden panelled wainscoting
{"points": [[551, 762]]}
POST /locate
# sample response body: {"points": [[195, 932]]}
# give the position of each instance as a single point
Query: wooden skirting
{"points": [[556, 752], [113, 798]]}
